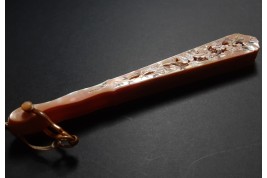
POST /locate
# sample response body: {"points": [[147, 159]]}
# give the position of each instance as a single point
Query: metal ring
{"points": [[62, 139]]}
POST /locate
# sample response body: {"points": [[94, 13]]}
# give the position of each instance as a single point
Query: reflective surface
{"points": [[226, 47]]}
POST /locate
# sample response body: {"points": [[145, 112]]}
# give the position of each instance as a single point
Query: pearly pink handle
{"points": [[228, 53]]}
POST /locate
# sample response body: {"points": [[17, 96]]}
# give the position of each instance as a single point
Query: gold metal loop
{"points": [[62, 139]]}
